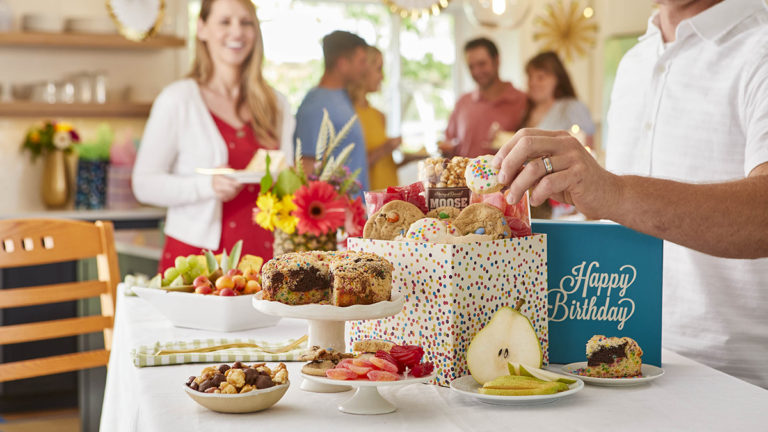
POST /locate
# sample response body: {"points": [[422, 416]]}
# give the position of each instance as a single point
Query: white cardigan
{"points": [[179, 137]]}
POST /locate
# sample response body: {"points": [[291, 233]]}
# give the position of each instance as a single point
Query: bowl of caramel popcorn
{"points": [[238, 388]]}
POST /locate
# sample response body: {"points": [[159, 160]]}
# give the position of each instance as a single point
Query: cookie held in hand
{"points": [[481, 177]]}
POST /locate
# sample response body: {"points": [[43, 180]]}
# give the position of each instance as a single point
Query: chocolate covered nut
{"points": [[207, 384], [223, 368], [250, 376], [191, 380], [237, 365], [264, 381]]}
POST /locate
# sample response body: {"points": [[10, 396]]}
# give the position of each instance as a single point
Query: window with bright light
{"points": [[417, 93]]}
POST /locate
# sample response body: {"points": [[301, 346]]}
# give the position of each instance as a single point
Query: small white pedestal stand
{"points": [[326, 325], [367, 399]]}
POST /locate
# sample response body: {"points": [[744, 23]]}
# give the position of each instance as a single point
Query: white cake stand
{"points": [[326, 325], [367, 399]]}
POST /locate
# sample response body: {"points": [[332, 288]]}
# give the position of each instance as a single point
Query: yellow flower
{"points": [[34, 136], [267, 212], [62, 127], [285, 220]]}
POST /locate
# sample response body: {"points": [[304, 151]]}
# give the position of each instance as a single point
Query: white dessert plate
{"points": [[206, 312], [649, 373], [329, 312], [467, 386], [242, 176], [367, 399]]}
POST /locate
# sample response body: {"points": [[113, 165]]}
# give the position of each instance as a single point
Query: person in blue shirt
{"points": [[345, 63]]}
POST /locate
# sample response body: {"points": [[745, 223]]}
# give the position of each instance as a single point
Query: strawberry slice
{"points": [[422, 369]]}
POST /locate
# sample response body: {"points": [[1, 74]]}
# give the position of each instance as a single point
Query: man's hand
{"points": [[575, 178], [225, 187]]}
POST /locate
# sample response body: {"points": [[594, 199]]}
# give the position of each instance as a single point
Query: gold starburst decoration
{"points": [[566, 28]]}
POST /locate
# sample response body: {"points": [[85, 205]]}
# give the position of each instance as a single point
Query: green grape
{"points": [[194, 272], [171, 273], [193, 262], [181, 264]]}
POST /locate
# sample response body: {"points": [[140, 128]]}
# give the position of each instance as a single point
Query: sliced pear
{"points": [[508, 337], [513, 382], [533, 388], [542, 374]]}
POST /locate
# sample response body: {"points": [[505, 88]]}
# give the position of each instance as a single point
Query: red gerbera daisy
{"points": [[319, 208], [355, 218]]}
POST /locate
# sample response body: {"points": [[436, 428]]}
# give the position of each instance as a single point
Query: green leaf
{"points": [[210, 261], [266, 181], [224, 261], [234, 255], [287, 183]]}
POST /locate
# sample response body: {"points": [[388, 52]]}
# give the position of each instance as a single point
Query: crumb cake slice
{"points": [[296, 278], [613, 357], [339, 278], [360, 278]]}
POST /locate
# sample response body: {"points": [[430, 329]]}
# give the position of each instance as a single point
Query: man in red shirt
{"points": [[495, 106]]}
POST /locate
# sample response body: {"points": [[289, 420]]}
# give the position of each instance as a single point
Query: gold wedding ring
{"points": [[547, 164]]}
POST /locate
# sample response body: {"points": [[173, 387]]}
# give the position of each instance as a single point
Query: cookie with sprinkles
{"points": [[483, 219], [428, 230], [392, 220], [481, 176]]}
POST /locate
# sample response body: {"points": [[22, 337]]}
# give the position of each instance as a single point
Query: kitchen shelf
{"points": [[86, 40], [41, 109]]}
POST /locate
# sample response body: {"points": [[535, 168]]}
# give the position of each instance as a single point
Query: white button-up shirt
{"points": [[696, 110]]}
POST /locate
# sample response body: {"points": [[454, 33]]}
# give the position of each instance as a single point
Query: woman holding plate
{"points": [[218, 117]]}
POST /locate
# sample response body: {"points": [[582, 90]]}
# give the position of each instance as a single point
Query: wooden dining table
{"points": [[688, 397]]}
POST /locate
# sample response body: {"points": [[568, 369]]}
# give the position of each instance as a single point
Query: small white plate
{"points": [[242, 176], [649, 373], [467, 386], [367, 399]]}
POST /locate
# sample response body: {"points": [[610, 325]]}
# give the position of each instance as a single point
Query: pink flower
{"points": [[319, 208]]}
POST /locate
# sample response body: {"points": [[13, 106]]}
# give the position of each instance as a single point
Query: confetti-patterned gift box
{"points": [[452, 291]]}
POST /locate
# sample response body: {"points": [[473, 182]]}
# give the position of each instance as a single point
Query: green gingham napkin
{"points": [[147, 355]]}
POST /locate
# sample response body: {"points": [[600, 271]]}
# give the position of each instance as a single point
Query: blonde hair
{"points": [[254, 91], [357, 90]]}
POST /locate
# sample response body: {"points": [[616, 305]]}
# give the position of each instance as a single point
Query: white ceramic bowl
{"points": [[252, 401], [206, 312], [47, 23]]}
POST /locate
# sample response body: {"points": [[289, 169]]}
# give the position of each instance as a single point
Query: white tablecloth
{"points": [[689, 397]]}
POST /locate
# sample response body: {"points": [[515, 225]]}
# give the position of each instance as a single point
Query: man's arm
{"points": [[723, 219]]}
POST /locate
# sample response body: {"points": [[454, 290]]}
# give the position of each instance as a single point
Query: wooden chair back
{"points": [[28, 242]]}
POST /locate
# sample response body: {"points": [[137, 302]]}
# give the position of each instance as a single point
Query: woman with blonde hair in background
{"points": [[382, 168], [218, 117]]}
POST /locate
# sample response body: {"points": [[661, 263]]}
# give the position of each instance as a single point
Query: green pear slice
{"points": [[508, 337], [539, 388], [542, 374]]}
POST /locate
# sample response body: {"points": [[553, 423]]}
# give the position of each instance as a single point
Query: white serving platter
{"points": [[207, 312]]}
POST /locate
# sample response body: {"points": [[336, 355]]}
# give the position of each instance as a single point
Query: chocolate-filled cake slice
{"points": [[296, 278], [613, 357]]}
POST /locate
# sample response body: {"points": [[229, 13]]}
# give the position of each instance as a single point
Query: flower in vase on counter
{"points": [[317, 204], [50, 136]]}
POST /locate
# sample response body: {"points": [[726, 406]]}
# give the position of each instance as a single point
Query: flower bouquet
{"points": [[306, 211], [54, 141]]}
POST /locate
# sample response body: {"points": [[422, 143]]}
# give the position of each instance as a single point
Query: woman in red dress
{"points": [[218, 117]]}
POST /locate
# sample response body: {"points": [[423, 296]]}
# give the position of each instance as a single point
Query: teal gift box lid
{"points": [[603, 278]]}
